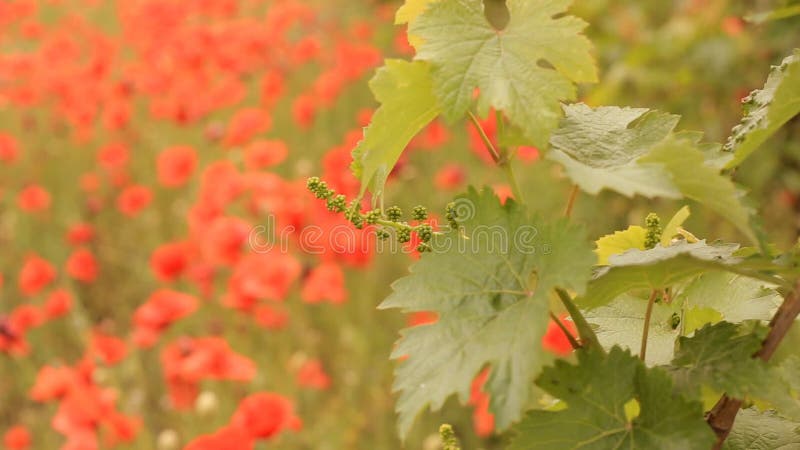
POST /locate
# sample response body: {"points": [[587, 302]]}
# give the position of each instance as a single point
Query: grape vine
{"points": [[701, 314]]}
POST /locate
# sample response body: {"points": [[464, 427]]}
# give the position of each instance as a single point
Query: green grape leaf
{"points": [[410, 10], [621, 321], [790, 371], [657, 268], [619, 242], [696, 317], [525, 70], [720, 356], [600, 149], [404, 90], [490, 290], [596, 392], [735, 297], [697, 181], [754, 430], [767, 110]]}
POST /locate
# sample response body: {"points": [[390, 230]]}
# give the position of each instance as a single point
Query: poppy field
{"points": [[209, 208]]}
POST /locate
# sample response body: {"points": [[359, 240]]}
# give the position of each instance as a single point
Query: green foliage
{"points": [[600, 149], [721, 356], [621, 322], [734, 297], [754, 430], [699, 307], [620, 242], [767, 110], [404, 90], [655, 269], [491, 297], [686, 164], [596, 391], [467, 53]]}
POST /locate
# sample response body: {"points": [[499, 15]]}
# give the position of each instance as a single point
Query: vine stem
{"points": [[723, 414], [572, 341], [501, 157], [573, 195], [585, 332], [484, 137], [646, 328]]}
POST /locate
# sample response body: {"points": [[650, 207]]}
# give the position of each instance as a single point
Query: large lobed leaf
{"points": [[657, 268], [621, 322], [635, 151], [720, 357], [710, 298], [525, 70], [596, 391], [405, 92], [492, 303], [754, 430], [767, 110], [599, 149], [686, 164]]}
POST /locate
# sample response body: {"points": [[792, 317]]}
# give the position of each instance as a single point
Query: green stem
{"points": [[484, 137], [573, 194], [572, 341], [587, 335], [646, 329], [512, 180]]}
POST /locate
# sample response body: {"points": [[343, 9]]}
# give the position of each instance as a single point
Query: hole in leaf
{"points": [[497, 14]]}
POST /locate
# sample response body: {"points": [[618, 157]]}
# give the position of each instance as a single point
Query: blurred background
{"points": [[143, 141]]}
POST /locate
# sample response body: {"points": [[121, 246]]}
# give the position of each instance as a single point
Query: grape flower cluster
{"points": [[387, 219]]}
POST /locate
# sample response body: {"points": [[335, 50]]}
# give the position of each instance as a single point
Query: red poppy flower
{"points": [[17, 438], [226, 438], [265, 414], [528, 154], [186, 362], [82, 266], [53, 383], [169, 261], [267, 276], [9, 149], [421, 318], [311, 375], [33, 198], [175, 165], [246, 124], [482, 418], [263, 154], [450, 177], [161, 309], [304, 110], [110, 349], [113, 156], [324, 282], [57, 304], [270, 317], [272, 86], [80, 233], [35, 275], [133, 199], [476, 142], [223, 242]]}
